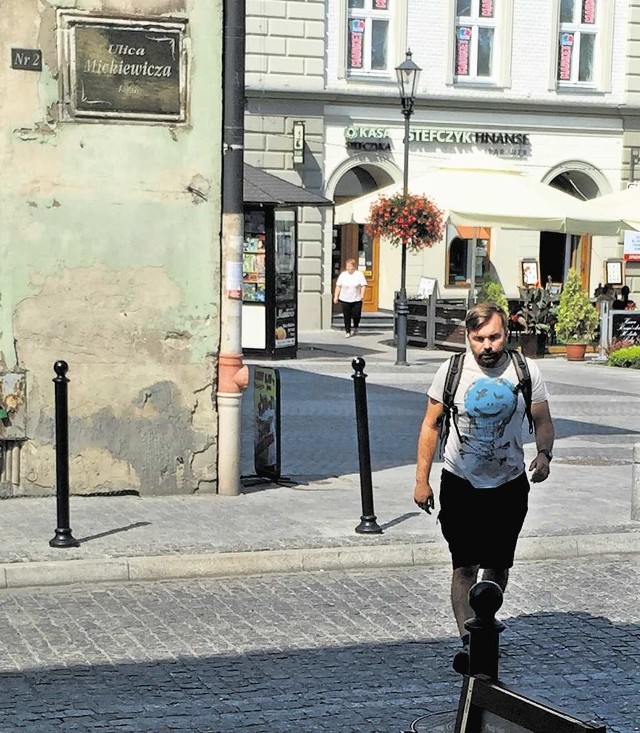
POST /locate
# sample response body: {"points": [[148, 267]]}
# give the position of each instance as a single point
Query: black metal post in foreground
{"points": [[485, 598], [368, 524], [63, 536]]}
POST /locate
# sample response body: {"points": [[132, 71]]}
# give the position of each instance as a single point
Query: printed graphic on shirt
{"points": [[490, 404]]}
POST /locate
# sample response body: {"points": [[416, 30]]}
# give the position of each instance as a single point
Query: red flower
{"points": [[412, 220]]}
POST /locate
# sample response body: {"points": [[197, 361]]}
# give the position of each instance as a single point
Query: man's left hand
{"points": [[540, 467]]}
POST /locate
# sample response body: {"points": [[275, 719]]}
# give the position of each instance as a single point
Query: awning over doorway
{"points": [[471, 232], [261, 187]]}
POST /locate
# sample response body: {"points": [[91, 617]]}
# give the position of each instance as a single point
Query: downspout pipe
{"points": [[233, 377]]}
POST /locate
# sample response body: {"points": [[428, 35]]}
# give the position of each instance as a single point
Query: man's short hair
{"points": [[480, 313]]}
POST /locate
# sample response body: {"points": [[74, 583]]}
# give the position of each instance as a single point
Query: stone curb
{"points": [[166, 567]]}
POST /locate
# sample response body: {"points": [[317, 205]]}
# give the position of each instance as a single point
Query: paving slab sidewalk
{"points": [[308, 521]]}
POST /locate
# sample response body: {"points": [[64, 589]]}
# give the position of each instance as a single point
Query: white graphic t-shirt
{"points": [[351, 284], [491, 414]]}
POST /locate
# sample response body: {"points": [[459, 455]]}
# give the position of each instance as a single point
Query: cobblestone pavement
{"points": [[359, 651]]}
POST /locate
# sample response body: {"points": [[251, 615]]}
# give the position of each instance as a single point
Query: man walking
{"points": [[484, 487]]}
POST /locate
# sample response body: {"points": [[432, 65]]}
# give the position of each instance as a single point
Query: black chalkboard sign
{"points": [[625, 326], [486, 707]]}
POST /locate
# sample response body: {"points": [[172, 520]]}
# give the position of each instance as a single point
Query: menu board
{"points": [[625, 325]]}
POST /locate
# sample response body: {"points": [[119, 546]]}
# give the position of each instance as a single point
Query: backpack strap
{"points": [[524, 383], [451, 382]]}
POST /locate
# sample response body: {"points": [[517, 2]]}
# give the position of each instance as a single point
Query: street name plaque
{"points": [[125, 70]]}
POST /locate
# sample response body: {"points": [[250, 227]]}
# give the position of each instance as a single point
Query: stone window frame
{"points": [[503, 24], [397, 41], [601, 83]]}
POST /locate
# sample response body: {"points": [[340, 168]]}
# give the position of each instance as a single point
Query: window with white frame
{"points": [[476, 40], [369, 36], [578, 41]]}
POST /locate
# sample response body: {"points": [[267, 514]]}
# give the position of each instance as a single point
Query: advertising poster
{"points": [[463, 39], [266, 401], [356, 43], [565, 56], [285, 325]]}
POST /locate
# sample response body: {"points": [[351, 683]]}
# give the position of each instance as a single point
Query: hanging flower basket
{"points": [[412, 220]]}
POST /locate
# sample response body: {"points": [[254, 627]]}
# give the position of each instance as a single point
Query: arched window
{"points": [[458, 270]]}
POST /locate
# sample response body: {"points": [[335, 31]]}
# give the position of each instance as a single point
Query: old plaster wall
{"points": [[109, 244]]}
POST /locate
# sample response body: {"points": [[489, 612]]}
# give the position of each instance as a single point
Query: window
{"points": [[458, 262], [476, 40], [578, 39], [368, 36], [460, 259]]}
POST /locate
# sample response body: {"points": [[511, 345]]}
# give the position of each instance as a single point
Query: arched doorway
{"points": [[351, 240], [559, 252]]}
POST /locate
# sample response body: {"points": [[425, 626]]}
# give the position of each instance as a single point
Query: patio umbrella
{"points": [[484, 192], [623, 205]]}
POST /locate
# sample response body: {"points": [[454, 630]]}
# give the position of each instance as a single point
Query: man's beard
{"points": [[489, 358]]}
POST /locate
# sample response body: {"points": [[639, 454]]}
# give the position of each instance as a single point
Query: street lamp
{"points": [[407, 74]]}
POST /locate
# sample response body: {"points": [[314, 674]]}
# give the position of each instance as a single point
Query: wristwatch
{"points": [[546, 452]]}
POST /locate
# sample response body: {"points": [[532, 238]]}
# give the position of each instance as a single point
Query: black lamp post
{"points": [[407, 74]]}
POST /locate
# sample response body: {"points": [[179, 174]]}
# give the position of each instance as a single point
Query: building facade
{"points": [[110, 151], [551, 90]]}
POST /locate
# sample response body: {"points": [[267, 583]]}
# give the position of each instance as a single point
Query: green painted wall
{"points": [[110, 247]]}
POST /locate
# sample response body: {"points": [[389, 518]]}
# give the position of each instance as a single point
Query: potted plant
{"points": [[492, 292], [535, 315], [577, 318], [411, 220]]}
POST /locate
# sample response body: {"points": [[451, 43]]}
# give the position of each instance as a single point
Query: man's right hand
{"points": [[423, 497]]}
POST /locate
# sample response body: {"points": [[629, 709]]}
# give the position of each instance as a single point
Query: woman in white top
{"points": [[350, 293]]}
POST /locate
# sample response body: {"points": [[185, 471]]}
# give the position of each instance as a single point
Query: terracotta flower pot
{"points": [[576, 352]]}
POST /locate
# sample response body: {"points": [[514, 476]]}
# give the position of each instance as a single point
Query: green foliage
{"points": [[492, 292], [628, 357], [537, 310], [577, 318]]}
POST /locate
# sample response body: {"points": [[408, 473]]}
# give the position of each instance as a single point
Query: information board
{"points": [[266, 401]]}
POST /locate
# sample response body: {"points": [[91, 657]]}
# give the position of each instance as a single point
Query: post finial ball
{"points": [[485, 598], [61, 368]]}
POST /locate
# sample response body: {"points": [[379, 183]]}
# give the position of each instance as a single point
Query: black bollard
{"points": [[63, 536], [368, 524], [485, 598]]}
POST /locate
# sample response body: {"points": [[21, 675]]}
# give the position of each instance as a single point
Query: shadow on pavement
{"points": [[319, 427], [568, 660]]}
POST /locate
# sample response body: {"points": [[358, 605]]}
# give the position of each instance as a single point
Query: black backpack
{"points": [[452, 381]]}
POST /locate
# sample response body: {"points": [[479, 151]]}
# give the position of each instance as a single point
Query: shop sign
{"points": [[378, 138], [126, 70], [631, 251], [367, 138]]}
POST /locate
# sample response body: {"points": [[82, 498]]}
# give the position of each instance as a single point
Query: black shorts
{"points": [[482, 526]]}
